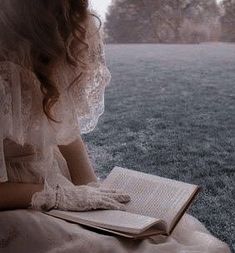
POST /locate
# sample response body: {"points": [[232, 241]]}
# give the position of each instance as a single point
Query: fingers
{"points": [[107, 190], [122, 198], [111, 204], [116, 194], [91, 198]]}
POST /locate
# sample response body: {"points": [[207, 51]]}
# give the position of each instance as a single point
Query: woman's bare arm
{"points": [[17, 195], [78, 162]]}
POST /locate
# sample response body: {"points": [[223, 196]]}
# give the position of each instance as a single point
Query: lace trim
{"points": [[22, 118], [86, 96]]}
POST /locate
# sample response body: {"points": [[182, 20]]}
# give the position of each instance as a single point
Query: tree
{"points": [[203, 22], [157, 20], [228, 21], [189, 20], [129, 21]]}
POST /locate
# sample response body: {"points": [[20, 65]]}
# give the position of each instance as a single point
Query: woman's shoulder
{"points": [[9, 68], [15, 76], [19, 91]]}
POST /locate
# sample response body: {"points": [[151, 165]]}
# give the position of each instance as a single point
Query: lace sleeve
{"points": [[85, 99], [22, 120], [89, 98], [12, 112], [5, 101]]}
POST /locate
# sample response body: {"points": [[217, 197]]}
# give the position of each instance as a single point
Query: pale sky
{"points": [[101, 6]]}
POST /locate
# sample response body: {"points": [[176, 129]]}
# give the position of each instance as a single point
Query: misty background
{"points": [[170, 21]]}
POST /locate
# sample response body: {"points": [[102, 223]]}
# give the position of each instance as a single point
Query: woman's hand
{"points": [[83, 198], [78, 198]]}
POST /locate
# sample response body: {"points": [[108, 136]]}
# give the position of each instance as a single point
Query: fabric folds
{"points": [[25, 132]]}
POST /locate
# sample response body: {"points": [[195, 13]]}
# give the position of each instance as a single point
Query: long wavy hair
{"points": [[38, 33]]}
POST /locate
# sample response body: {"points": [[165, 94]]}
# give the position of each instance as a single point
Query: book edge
{"points": [[188, 204], [78, 220], [141, 235]]}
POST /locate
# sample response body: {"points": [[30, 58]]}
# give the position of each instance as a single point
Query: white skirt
{"points": [[23, 231]]}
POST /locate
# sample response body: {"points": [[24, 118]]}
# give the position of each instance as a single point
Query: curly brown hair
{"points": [[41, 32]]}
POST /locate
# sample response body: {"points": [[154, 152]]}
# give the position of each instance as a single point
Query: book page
{"points": [[152, 231], [151, 195], [110, 219]]}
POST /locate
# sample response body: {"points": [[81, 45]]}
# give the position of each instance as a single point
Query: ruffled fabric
{"points": [[26, 134], [23, 124], [28, 154], [32, 231], [86, 94]]}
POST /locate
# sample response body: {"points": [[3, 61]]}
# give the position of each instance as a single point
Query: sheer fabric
{"points": [[29, 135], [31, 231], [29, 153], [86, 98]]}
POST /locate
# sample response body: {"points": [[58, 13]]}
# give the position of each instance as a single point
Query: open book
{"points": [[156, 205]]}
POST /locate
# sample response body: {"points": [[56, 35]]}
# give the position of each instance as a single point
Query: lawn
{"points": [[170, 111]]}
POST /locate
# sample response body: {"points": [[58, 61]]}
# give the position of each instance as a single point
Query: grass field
{"points": [[170, 111]]}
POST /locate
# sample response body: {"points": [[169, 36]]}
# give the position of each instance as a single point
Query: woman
{"points": [[52, 81]]}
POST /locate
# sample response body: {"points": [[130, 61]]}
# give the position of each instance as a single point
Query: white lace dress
{"points": [[29, 154]]}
